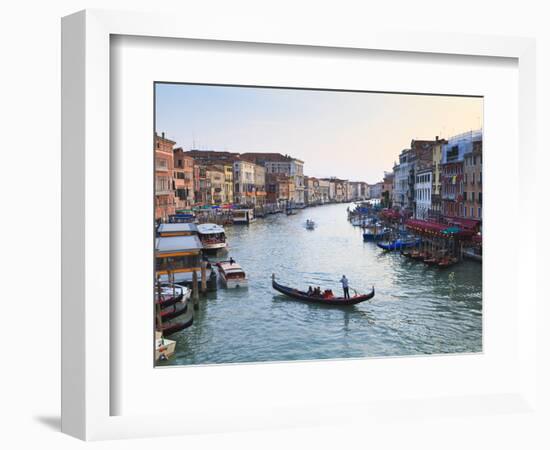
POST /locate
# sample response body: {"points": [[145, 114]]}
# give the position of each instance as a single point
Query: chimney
{"points": [[163, 135]]}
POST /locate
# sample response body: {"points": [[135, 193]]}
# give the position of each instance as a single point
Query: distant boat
{"points": [[310, 224]]}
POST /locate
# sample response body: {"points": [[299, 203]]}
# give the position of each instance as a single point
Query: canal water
{"points": [[416, 310]]}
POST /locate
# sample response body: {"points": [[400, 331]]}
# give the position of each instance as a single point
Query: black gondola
{"points": [[171, 328], [166, 301], [303, 296], [177, 310]]}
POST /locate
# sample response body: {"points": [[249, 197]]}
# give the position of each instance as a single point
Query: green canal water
{"points": [[417, 309]]}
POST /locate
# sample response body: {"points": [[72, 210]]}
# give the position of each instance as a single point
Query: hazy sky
{"points": [[350, 135]]}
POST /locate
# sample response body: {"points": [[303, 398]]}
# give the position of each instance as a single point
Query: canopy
{"points": [[438, 229]]}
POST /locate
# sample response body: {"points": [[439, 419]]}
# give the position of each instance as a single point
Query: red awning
{"points": [[435, 228]]}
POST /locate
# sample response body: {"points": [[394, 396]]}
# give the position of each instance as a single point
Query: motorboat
{"points": [[212, 236], [310, 224], [164, 348], [232, 274]]}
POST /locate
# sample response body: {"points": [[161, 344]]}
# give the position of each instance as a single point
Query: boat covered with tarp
{"points": [[399, 244]]}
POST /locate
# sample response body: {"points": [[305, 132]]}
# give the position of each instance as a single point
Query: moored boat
{"points": [[176, 310], [168, 294], [372, 234], [243, 216], [447, 261], [170, 328], [399, 244], [164, 348], [325, 300], [232, 274]]}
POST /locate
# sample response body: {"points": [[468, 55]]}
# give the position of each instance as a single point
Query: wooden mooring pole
{"points": [[203, 277], [195, 293]]}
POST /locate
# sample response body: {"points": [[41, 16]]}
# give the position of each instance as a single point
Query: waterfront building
{"points": [[184, 168], [437, 151], [376, 190], [367, 191], [331, 189], [420, 159], [423, 192], [209, 157], [216, 176], [221, 160], [203, 195], [339, 190], [387, 189], [278, 186], [312, 192], [165, 203], [324, 190], [228, 186], [452, 172], [276, 163], [259, 198], [244, 189], [401, 180], [473, 182], [196, 183], [357, 190]]}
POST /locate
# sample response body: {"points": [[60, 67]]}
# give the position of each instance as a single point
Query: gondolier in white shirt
{"points": [[345, 285]]}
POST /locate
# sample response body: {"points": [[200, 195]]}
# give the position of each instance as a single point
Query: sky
{"points": [[350, 135]]}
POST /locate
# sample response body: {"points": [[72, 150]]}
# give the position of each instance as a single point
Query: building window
{"points": [[162, 164]]}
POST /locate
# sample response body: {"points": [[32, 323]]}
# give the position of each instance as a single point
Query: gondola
{"points": [[173, 327], [176, 310], [300, 295], [166, 301]]}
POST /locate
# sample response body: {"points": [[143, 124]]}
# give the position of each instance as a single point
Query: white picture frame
{"points": [[86, 256]]}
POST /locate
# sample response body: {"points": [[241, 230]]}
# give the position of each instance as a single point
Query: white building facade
{"points": [[423, 193], [244, 182]]}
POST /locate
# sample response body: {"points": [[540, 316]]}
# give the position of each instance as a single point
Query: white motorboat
{"points": [[164, 348], [232, 274], [212, 236], [310, 224]]}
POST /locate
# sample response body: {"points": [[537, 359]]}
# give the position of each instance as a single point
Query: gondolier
{"points": [[345, 285]]}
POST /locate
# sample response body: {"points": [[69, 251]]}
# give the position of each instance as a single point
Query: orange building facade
{"points": [[165, 203]]}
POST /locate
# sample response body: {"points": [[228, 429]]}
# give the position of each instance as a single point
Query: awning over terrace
{"points": [[436, 229]]}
